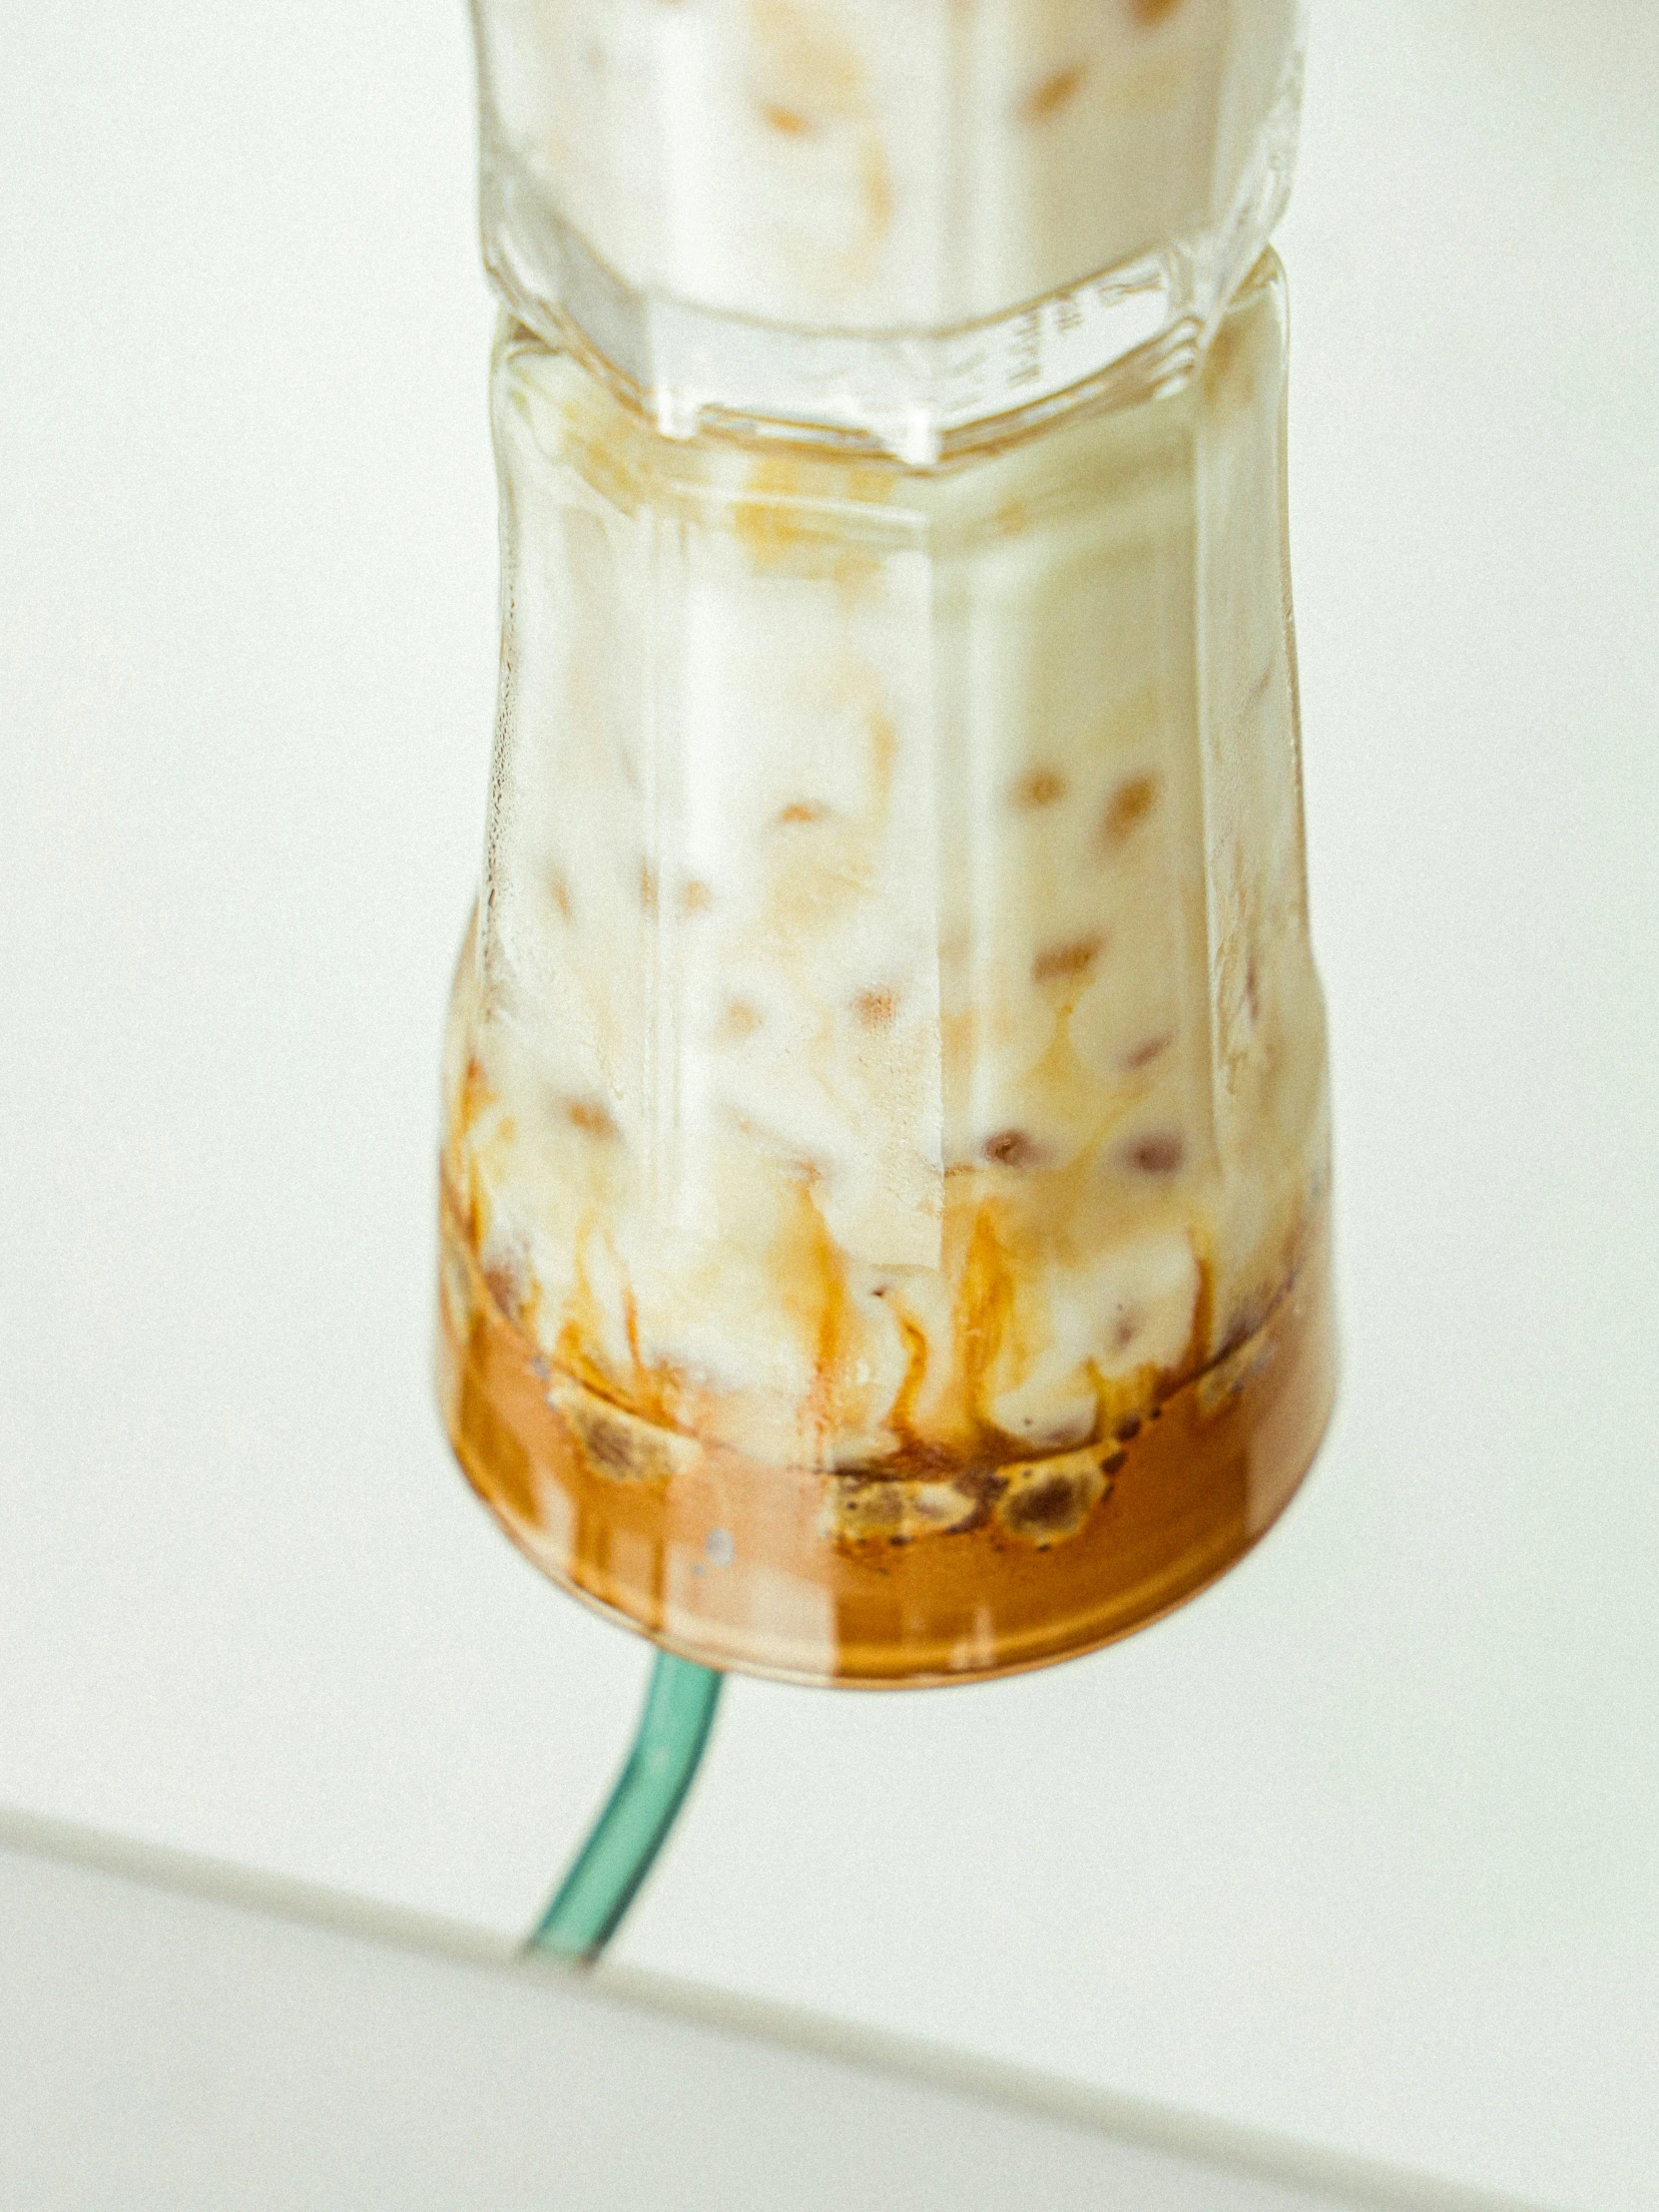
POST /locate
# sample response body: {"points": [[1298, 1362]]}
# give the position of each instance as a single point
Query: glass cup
{"points": [[884, 1194]]}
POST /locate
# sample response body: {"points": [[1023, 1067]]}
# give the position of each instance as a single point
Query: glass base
{"points": [[943, 1575]]}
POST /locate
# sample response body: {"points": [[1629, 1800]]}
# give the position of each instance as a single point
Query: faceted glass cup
{"points": [[884, 1188]]}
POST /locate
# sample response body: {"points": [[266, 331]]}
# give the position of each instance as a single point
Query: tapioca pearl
{"points": [[1036, 789], [871, 1507], [1015, 1148], [1045, 1505], [1130, 804], [1159, 1154], [1051, 94], [1067, 962], [738, 1020], [618, 1446], [789, 122], [1145, 1053], [876, 1008], [592, 1118]]}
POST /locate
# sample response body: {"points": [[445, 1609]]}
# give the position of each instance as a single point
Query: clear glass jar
{"points": [[987, 202], [884, 1192]]}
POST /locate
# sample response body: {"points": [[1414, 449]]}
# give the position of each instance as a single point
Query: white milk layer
{"points": [[891, 1023]]}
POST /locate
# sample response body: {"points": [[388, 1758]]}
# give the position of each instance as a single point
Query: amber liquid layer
{"points": [[956, 1574]]}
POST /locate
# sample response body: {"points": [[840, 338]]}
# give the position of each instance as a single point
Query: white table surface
{"points": [[180, 2037], [1363, 1848]]}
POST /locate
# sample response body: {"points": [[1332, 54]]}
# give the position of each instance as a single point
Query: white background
{"points": [[1363, 1846]]}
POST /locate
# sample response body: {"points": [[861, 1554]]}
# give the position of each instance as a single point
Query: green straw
{"points": [[629, 1833]]}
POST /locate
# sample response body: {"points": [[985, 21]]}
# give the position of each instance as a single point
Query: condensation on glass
{"points": [[886, 220], [884, 1194]]}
